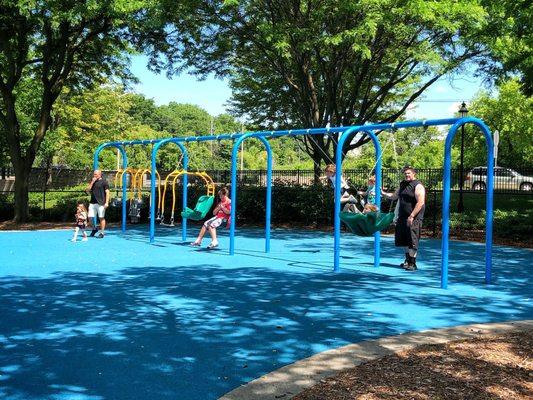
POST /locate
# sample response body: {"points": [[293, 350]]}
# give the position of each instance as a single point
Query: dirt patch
{"points": [[33, 226], [492, 367]]}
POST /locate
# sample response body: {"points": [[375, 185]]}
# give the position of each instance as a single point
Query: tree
{"points": [[509, 38], [511, 114], [307, 63], [418, 147], [84, 119], [53, 45]]}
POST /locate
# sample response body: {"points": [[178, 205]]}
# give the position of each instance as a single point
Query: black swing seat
{"points": [[366, 224]]}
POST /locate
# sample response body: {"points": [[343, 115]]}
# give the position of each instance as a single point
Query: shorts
{"points": [[407, 236], [81, 225], [214, 222], [96, 209]]}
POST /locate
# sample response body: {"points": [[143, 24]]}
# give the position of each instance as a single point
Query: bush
{"points": [[308, 205]]}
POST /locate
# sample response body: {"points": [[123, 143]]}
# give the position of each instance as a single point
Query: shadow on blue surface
{"points": [[169, 322]]}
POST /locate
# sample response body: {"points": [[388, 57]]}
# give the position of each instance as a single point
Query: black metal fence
{"points": [[519, 181], [54, 193]]}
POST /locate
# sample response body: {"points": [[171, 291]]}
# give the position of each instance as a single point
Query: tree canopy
{"points": [[510, 112], [49, 45], [307, 63], [509, 38]]}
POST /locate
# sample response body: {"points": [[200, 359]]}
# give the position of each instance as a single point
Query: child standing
{"points": [[81, 222], [370, 191], [221, 212]]}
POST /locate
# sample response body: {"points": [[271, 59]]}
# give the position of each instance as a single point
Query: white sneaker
{"points": [[212, 245], [72, 240], [84, 239]]}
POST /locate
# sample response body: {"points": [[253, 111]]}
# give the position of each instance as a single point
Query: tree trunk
{"points": [[21, 192], [316, 166]]}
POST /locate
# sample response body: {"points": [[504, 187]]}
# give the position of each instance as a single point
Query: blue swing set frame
{"points": [[346, 133]]}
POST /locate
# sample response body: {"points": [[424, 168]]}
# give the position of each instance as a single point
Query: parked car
{"points": [[504, 178]]}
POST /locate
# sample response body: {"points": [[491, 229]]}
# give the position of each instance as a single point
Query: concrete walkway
{"points": [[292, 379]]}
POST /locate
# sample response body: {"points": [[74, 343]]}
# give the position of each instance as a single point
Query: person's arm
{"points": [[107, 193], [391, 196], [90, 185], [226, 210], [420, 196]]}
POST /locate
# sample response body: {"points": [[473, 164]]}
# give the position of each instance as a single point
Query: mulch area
{"points": [[492, 367], [34, 226]]}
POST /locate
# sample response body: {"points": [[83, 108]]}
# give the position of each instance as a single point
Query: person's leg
{"points": [[93, 211], [406, 261], [213, 233], [201, 234], [198, 240], [400, 239], [75, 237], [415, 229], [101, 216], [84, 234]]}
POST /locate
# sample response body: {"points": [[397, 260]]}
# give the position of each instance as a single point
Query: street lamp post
{"points": [[463, 111]]}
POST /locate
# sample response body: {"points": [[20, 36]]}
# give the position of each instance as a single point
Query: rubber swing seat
{"points": [[203, 205], [366, 224]]}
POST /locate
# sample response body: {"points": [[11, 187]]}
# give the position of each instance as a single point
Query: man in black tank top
{"points": [[411, 197]]}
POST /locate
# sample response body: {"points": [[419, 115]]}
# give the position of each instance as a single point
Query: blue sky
{"points": [[213, 94]]}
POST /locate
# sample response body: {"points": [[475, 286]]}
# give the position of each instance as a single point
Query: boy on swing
{"points": [[221, 212]]}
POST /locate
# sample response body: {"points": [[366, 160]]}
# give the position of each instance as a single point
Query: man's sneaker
{"points": [[212, 246], [100, 236], [406, 261], [411, 265], [93, 232]]}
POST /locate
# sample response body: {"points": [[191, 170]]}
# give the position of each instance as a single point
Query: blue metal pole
{"points": [[296, 132], [446, 186], [378, 155], [184, 199], [338, 160], [233, 214], [268, 193], [446, 198], [153, 168], [124, 189]]}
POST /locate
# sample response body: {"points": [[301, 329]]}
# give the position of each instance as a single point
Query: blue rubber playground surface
{"points": [[119, 318]]}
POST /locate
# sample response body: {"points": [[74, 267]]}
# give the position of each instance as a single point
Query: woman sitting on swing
{"points": [[346, 198]]}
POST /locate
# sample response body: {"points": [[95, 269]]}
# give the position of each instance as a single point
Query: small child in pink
{"points": [[81, 222], [221, 212]]}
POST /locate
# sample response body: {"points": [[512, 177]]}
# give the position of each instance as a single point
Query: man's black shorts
{"points": [[408, 236]]}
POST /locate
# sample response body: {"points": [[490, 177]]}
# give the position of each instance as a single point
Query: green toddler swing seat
{"points": [[201, 209], [367, 224]]}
